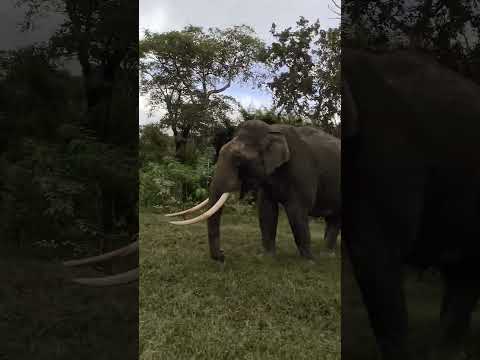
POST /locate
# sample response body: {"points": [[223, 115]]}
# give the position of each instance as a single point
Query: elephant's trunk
{"points": [[213, 224], [225, 180]]}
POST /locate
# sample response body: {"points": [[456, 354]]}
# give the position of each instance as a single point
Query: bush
{"points": [[170, 182]]}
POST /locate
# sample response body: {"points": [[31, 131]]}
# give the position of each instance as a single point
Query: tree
{"points": [[35, 93], [327, 80], [448, 30], [153, 144], [184, 73], [101, 36], [305, 66]]}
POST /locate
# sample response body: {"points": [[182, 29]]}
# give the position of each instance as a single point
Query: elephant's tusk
{"points": [[123, 278], [206, 214], [196, 207], [126, 250]]}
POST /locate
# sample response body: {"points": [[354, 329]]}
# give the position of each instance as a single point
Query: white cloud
{"points": [[176, 14], [144, 116], [251, 101], [10, 27], [152, 17]]}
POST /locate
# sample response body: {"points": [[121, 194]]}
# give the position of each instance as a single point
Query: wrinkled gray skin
{"points": [[411, 167], [297, 167]]}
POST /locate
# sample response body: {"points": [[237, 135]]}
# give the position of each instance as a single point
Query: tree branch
{"points": [[337, 11], [222, 89]]}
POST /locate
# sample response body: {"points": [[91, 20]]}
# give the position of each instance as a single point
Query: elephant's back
{"points": [[320, 142], [326, 154]]}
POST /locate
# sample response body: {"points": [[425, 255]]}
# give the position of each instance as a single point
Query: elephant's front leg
{"points": [[298, 219], [268, 219], [377, 269]]}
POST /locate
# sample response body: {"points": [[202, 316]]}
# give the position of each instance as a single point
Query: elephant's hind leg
{"points": [[462, 290], [332, 229], [298, 220]]}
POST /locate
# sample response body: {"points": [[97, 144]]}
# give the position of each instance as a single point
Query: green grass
{"points": [[252, 307]]}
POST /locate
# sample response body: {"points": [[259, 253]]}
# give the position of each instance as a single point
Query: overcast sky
{"points": [[166, 15], [10, 18]]}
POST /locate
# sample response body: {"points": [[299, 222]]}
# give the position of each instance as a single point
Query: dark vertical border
{"points": [[439, 37], [68, 177]]}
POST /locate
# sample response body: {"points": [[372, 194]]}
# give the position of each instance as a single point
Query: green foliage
{"points": [[154, 144], [69, 160], [155, 186], [36, 95], [271, 116], [56, 183], [327, 75], [449, 30], [93, 31], [53, 168], [305, 65], [171, 182], [184, 74], [166, 181], [267, 115]]}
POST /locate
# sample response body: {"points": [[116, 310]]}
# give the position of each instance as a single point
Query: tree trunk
{"points": [[417, 37], [99, 95], [180, 148]]}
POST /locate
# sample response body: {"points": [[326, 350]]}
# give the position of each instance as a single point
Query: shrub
{"points": [[170, 182]]}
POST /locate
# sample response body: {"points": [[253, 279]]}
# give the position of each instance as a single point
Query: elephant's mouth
{"points": [[244, 183], [213, 209]]}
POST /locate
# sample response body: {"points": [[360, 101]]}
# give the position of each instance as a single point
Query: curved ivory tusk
{"points": [[196, 207], [206, 214], [126, 250], [123, 278]]}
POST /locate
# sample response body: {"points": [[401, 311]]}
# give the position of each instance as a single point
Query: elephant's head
{"points": [[255, 152]]}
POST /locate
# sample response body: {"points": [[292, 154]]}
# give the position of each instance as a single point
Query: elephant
{"points": [[220, 138], [122, 278], [411, 189], [297, 167]]}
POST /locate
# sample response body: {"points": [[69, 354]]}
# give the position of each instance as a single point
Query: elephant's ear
{"points": [[276, 152]]}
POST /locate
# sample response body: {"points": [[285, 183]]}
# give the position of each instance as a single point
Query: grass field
{"points": [[43, 316], [253, 307]]}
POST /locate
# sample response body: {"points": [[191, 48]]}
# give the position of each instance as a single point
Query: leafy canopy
{"points": [[305, 67], [184, 74]]}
